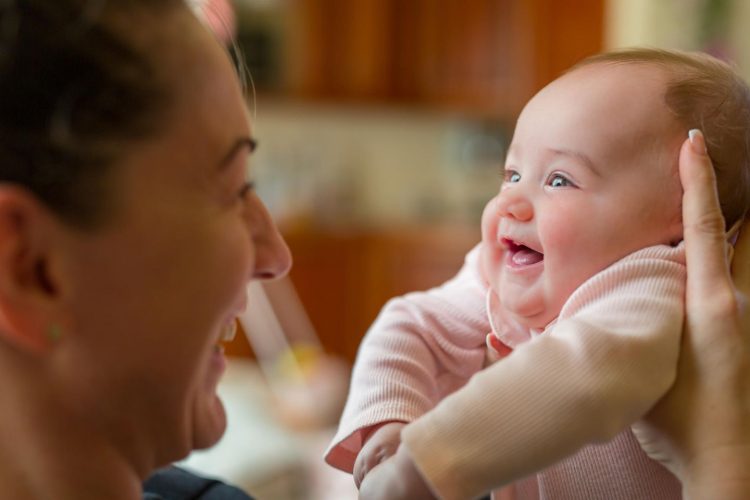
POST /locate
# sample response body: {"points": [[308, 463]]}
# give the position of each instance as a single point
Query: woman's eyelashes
{"points": [[246, 189]]}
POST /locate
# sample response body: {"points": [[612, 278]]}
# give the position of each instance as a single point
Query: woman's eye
{"points": [[246, 188], [558, 180], [512, 176]]}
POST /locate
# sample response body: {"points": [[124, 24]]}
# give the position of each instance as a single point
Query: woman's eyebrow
{"points": [[238, 145]]}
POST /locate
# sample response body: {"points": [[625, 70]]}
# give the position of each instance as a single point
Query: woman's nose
{"points": [[512, 203], [272, 256]]}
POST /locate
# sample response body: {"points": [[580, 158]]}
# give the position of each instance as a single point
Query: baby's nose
{"points": [[514, 205]]}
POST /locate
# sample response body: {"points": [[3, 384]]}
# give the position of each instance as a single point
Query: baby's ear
{"points": [[28, 292]]}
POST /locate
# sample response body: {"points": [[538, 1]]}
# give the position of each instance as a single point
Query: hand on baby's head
{"points": [[380, 445]]}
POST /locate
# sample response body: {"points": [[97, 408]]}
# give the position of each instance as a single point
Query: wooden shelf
{"points": [[485, 57], [344, 279]]}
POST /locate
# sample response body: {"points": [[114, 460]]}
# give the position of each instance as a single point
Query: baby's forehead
{"points": [[621, 88], [604, 109]]}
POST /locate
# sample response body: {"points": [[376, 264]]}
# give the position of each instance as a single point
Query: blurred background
{"points": [[382, 127], [383, 123]]}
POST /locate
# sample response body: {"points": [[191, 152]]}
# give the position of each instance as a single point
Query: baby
{"points": [[579, 279]]}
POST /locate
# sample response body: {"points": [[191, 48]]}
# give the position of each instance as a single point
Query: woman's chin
{"points": [[210, 423]]}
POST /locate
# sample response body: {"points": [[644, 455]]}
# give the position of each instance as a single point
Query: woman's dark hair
{"points": [[75, 89]]}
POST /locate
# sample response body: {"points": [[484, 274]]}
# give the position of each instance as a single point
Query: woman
{"points": [[128, 233]]}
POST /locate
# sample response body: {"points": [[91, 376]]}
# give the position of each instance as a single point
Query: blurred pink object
{"points": [[220, 17]]}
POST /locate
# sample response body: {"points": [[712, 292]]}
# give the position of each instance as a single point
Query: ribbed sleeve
{"points": [[610, 356], [420, 348]]}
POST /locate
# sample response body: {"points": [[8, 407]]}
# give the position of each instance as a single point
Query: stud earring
{"points": [[54, 333]]}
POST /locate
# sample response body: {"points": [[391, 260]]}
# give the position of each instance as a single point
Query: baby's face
{"points": [[591, 176]]}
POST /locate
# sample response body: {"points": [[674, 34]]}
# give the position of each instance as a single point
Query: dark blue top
{"points": [[173, 483]]}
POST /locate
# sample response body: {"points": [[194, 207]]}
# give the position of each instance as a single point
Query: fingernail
{"points": [[697, 141]]}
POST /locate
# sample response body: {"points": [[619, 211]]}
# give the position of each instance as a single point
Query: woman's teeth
{"points": [[229, 331]]}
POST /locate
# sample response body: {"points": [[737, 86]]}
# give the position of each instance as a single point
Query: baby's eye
{"points": [[559, 180], [511, 176]]}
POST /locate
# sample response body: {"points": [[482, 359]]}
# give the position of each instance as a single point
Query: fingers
{"points": [[381, 444], [705, 244], [369, 461], [741, 262], [360, 469], [366, 460]]}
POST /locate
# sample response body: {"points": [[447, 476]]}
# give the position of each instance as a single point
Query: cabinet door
{"points": [[340, 49], [489, 57], [485, 57], [565, 31], [471, 56]]}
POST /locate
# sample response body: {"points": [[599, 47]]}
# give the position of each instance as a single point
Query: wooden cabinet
{"points": [[484, 57], [344, 278], [340, 49], [466, 55]]}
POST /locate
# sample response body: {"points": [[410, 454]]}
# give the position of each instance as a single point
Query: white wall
{"points": [[658, 23], [675, 24], [374, 165]]}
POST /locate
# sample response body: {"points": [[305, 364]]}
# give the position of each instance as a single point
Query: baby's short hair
{"points": [[707, 93]]}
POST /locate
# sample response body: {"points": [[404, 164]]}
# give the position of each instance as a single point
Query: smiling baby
{"points": [[563, 327]]}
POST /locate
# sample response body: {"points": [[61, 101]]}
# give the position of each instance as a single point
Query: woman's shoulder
{"points": [[174, 483]]}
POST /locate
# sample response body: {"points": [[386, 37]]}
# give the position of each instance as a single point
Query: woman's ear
{"points": [[29, 293]]}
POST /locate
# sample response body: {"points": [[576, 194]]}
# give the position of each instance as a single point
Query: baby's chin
{"points": [[537, 321], [529, 314]]}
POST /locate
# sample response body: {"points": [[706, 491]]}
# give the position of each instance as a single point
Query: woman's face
{"points": [[152, 291]]}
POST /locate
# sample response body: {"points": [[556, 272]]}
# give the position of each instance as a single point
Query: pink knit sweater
{"points": [[554, 415]]}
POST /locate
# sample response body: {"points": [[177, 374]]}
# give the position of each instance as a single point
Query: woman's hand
{"points": [[701, 429]]}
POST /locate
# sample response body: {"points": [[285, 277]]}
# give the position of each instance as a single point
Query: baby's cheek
{"points": [[560, 232], [570, 254], [484, 264], [490, 221], [490, 253]]}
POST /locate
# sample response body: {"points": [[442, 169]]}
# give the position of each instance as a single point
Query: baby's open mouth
{"points": [[521, 255]]}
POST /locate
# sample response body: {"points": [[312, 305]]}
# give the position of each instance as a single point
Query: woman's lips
{"points": [[216, 367], [227, 334]]}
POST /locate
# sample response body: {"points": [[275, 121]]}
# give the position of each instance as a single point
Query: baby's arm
{"points": [[612, 354], [421, 347]]}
